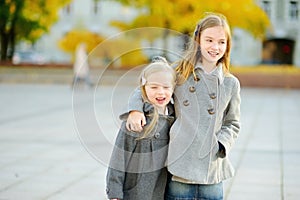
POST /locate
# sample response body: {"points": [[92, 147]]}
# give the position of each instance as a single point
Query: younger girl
{"points": [[137, 167], [207, 107]]}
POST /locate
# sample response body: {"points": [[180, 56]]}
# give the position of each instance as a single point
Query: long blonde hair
{"points": [[193, 54], [158, 65]]}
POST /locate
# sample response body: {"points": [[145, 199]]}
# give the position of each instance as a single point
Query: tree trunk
{"points": [[165, 39], [8, 37], [12, 41], [4, 46]]}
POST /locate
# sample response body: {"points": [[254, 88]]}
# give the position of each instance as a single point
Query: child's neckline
{"points": [[165, 112]]}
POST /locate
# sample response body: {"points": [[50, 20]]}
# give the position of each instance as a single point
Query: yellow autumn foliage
{"points": [[44, 12], [182, 16], [74, 37], [121, 51]]}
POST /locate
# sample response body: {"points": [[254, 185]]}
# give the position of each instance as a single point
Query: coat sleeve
{"points": [[136, 101], [231, 122], [120, 157]]}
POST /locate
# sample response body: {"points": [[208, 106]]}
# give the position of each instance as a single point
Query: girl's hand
{"points": [[135, 122]]}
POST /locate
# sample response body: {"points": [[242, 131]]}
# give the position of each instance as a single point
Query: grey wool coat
{"points": [[207, 124], [137, 167]]}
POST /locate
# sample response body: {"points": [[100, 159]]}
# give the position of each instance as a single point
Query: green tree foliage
{"points": [[25, 20], [182, 16]]}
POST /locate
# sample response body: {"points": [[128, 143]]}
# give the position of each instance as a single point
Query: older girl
{"points": [[207, 107]]}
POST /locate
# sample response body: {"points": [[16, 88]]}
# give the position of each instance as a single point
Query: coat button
{"points": [[186, 102], [211, 111], [213, 95], [192, 89], [156, 135]]}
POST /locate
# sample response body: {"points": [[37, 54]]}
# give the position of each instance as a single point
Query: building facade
{"points": [[281, 46], [282, 42]]}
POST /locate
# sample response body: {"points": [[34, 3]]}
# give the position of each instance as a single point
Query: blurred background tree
{"points": [[25, 20], [182, 16], [123, 50], [120, 50], [171, 15], [76, 36]]}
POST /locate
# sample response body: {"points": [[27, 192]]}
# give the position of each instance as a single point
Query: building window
{"points": [[293, 10], [96, 6], [266, 6]]}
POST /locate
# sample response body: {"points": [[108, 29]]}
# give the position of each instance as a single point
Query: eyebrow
{"points": [[159, 84], [208, 37]]}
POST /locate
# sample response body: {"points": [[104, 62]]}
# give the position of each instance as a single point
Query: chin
{"points": [[160, 105]]}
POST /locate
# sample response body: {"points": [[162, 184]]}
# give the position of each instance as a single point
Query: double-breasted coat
{"points": [[137, 167], [207, 124]]}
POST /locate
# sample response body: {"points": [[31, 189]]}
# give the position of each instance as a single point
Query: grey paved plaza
{"points": [[55, 142]]}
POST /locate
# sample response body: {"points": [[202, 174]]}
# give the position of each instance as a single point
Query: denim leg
{"points": [[181, 191], [210, 192]]}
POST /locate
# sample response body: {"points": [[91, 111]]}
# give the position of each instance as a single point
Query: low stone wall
{"points": [[268, 76], [273, 77], [269, 80]]}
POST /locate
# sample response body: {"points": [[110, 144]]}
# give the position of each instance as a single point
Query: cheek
{"points": [[169, 93], [204, 48], [149, 93], [223, 47]]}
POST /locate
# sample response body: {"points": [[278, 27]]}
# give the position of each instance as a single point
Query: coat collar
{"points": [[218, 72]]}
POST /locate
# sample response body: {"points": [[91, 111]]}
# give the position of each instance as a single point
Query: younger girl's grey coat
{"points": [[137, 167]]}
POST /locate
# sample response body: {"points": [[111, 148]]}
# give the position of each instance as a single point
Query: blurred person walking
{"points": [[81, 66]]}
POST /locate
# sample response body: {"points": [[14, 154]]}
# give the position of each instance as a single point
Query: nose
{"points": [[160, 90], [215, 46]]}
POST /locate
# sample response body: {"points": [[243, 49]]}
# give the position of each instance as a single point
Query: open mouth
{"points": [[213, 54], [160, 99]]}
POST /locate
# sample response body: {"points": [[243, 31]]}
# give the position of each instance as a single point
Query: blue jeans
{"points": [[181, 191]]}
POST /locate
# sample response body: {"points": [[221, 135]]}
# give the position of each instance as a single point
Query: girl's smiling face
{"points": [[213, 43], [159, 88]]}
